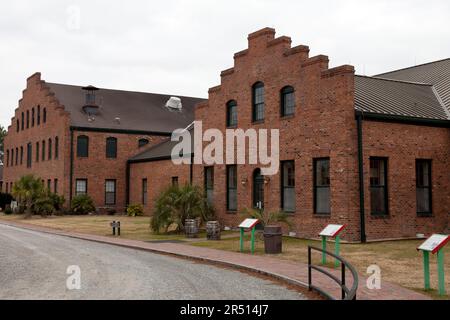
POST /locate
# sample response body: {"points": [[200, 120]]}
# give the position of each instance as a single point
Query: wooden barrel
{"points": [[191, 228], [213, 230]]}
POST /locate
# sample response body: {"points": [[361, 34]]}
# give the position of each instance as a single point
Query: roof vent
{"points": [[117, 120], [90, 107], [174, 103]]}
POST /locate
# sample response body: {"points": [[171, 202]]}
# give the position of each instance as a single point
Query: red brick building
{"points": [[78, 140], [369, 152]]}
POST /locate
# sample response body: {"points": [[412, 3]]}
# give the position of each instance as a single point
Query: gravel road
{"points": [[33, 265]]}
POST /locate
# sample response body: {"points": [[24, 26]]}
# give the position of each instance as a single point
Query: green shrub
{"points": [[82, 204], [57, 201], [8, 209], [44, 206], [134, 210], [176, 204]]}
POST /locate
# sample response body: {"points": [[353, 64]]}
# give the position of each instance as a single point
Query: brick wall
{"points": [[323, 126], [56, 125], [159, 176], [402, 144], [97, 168]]}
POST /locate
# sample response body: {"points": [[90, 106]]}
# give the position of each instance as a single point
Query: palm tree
{"points": [[176, 204], [27, 190]]}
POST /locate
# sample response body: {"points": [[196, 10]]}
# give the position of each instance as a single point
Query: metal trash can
{"points": [[213, 230], [272, 239]]}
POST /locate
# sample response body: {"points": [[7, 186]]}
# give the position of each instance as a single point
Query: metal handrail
{"points": [[346, 293]]}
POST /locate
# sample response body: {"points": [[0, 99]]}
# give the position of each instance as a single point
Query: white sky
{"points": [[179, 47]]}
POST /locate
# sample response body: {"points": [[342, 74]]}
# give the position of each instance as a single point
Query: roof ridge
{"points": [[411, 67], [395, 80], [121, 90], [441, 102]]}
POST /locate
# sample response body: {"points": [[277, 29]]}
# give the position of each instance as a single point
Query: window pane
{"points": [[378, 196], [323, 172], [111, 148], [110, 192], [209, 184], [232, 199], [423, 183], [288, 186], [287, 101], [144, 191], [82, 146], [377, 200], [231, 187], [289, 199], [231, 113], [377, 172], [258, 102], [423, 200], [81, 187], [323, 200], [322, 186], [142, 142]]}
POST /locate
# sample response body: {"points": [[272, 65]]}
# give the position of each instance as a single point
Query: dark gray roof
{"points": [[392, 97], [161, 151], [436, 73], [137, 111]]}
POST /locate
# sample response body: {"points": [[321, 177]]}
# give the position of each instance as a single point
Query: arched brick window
{"points": [[231, 113], [111, 147], [258, 101]]}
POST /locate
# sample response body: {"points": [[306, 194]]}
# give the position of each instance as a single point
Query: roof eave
{"points": [[372, 116]]}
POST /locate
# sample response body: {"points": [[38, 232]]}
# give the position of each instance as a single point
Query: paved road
{"points": [[33, 265]]}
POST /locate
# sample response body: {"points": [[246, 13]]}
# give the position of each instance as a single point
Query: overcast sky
{"points": [[179, 47]]}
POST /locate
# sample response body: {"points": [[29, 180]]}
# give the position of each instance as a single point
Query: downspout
{"points": [[71, 168], [362, 215], [191, 169], [127, 185]]}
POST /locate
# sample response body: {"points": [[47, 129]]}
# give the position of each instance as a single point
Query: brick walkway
{"points": [[289, 271]]}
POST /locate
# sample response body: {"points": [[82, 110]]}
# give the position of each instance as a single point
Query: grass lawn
{"points": [[399, 261], [136, 228]]}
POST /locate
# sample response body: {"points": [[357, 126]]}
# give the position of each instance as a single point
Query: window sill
{"points": [[322, 215], [231, 212], [287, 117], [425, 215], [255, 122], [232, 127], [380, 216]]}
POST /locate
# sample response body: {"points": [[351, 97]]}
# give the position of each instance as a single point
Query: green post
{"points": [[324, 247], [336, 250], [242, 240], [253, 240], [440, 258], [426, 269]]}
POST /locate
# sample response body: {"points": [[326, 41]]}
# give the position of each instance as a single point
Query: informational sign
{"points": [[332, 230], [248, 223], [434, 243]]}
